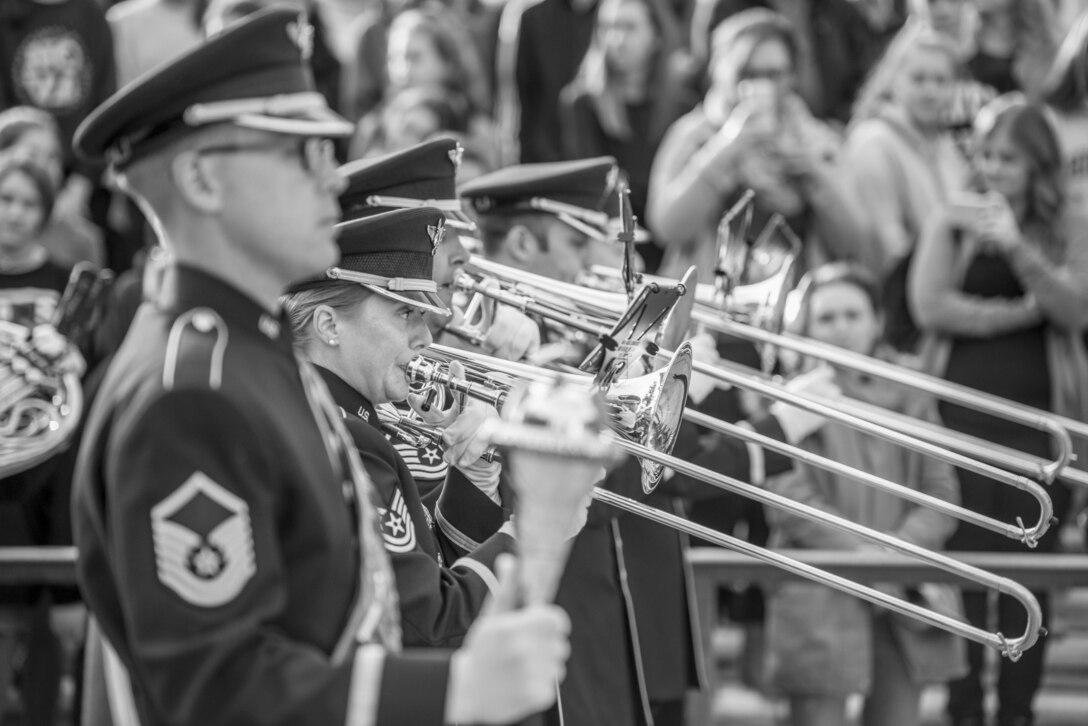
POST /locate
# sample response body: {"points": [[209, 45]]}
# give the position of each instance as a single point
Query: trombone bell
{"points": [[646, 406]]}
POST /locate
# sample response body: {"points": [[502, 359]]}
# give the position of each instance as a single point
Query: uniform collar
{"points": [[350, 401], [184, 288]]}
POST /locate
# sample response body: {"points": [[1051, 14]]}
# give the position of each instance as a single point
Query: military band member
{"points": [[227, 539], [360, 325], [553, 219], [426, 174]]}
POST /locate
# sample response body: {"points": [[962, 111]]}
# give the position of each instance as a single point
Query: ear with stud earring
{"points": [[334, 342]]}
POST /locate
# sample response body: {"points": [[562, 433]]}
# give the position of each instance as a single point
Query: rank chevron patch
{"points": [[396, 524], [203, 542], [426, 463]]}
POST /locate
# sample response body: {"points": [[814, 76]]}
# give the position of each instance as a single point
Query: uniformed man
{"points": [[360, 324], [228, 546], [552, 219], [555, 220]]}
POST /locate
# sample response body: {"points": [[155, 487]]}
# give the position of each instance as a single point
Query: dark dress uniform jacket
{"points": [[216, 546], [437, 604]]}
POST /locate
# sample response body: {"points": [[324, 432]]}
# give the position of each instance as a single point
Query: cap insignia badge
{"points": [[301, 33], [456, 154], [437, 233]]}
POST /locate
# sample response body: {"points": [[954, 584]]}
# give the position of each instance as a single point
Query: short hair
{"points": [[11, 163], [494, 228], [16, 121], [301, 304], [833, 273]]}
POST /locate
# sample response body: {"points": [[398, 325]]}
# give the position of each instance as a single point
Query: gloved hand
{"points": [[512, 335], [796, 423], [704, 349], [462, 424], [511, 660]]}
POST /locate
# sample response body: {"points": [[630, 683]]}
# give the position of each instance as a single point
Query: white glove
{"points": [[512, 335], [796, 423], [512, 659], [704, 350]]}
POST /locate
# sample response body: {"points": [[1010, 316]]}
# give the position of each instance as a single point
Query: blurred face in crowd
{"points": [[412, 58], [840, 313], [377, 339], [770, 60], [946, 16], [627, 34], [923, 86], [1004, 166], [21, 211], [43, 148]]}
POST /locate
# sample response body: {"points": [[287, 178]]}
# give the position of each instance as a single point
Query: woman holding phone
{"points": [[999, 284], [751, 131]]}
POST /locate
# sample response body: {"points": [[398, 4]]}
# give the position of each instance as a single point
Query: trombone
{"points": [[518, 292], [425, 371], [748, 300]]}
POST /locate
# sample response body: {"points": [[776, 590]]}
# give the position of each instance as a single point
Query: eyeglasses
{"points": [[316, 154]]}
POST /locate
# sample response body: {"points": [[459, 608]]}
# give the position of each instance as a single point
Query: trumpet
{"points": [[644, 406], [938, 443], [481, 383]]}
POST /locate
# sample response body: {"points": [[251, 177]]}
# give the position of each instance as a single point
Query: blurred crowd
{"points": [[930, 155]]}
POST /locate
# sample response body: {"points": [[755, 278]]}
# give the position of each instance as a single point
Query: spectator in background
{"points": [[1066, 93], [751, 131], [57, 55], [433, 71], [1006, 279], [31, 132], [900, 161], [628, 91], [540, 47], [833, 43], [30, 500], [824, 644]]}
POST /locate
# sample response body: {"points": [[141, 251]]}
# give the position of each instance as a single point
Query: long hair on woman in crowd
{"points": [[458, 66], [915, 37], [603, 80], [1028, 128]]}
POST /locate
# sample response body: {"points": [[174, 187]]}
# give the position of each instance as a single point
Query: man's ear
{"points": [[521, 245], [194, 176]]}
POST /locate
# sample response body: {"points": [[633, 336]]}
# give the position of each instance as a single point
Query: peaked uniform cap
{"points": [[421, 175], [393, 254], [582, 193], [254, 74]]}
